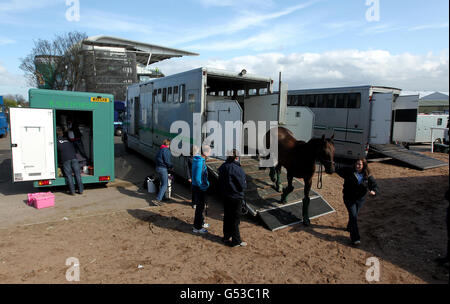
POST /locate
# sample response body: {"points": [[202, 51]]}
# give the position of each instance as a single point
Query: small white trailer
{"points": [[425, 122]]}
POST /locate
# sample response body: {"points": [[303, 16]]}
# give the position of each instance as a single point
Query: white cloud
{"points": [[335, 68], [241, 22], [429, 26], [5, 41], [266, 40], [103, 21], [26, 5], [234, 3], [12, 84]]}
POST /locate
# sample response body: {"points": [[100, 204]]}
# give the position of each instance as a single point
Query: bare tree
{"points": [[55, 64]]}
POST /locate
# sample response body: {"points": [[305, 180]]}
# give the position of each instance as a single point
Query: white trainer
{"points": [[205, 225], [201, 231]]}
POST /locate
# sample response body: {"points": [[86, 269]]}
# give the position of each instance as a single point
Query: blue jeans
{"points": [[67, 167], [163, 177], [353, 207]]}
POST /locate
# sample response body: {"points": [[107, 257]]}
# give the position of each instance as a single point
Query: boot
{"points": [[305, 211]]}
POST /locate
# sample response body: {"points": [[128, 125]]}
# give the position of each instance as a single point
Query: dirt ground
{"points": [[404, 227]]}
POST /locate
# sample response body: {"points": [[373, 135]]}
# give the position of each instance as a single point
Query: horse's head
{"points": [[326, 153]]}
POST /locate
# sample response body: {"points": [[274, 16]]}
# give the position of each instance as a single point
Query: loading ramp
{"points": [[263, 200], [412, 158]]}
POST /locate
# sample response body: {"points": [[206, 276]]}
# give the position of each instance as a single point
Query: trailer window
{"points": [[182, 93], [319, 101], [292, 100], [406, 115], [164, 95], [310, 101], [341, 100], [329, 100], [159, 96], [439, 122], [169, 93], [175, 94], [154, 96], [354, 100]]}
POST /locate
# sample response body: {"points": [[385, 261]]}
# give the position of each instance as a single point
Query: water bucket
{"points": [[151, 188], [169, 186]]}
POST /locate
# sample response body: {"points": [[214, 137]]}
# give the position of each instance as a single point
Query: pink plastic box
{"points": [[41, 199]]}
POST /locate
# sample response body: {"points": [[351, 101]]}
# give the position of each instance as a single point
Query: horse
{"points": [[299, 159]]}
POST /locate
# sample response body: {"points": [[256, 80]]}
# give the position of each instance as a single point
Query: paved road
{"points": [[124, 193]]}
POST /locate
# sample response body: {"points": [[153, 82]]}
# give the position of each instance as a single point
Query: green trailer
{"points": [[33, 136]]}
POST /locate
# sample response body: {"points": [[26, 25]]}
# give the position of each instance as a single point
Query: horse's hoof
{"points": [[278, 189], [306, 223]]}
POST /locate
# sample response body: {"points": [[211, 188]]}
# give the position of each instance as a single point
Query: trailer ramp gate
{"points": [[409, 157], [263, 200]]}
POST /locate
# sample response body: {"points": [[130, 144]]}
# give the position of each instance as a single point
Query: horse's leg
{"points": [[272, 174], [288, 189], [306, 201], [278, 178]]}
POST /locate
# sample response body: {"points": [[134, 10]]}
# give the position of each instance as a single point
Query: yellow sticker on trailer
{"points": [[99, 99]]}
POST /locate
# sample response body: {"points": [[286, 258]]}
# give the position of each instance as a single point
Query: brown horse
{"points": [[299, 159]]}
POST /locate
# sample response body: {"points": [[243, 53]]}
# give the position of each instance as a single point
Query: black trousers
{"points": [[231, 219], [198, 199]]}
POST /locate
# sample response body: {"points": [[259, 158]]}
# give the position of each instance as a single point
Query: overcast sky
{"points": [[323, 43]]}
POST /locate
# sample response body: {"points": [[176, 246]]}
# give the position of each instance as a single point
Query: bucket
{"points": [[169, 186], [151, 188]]}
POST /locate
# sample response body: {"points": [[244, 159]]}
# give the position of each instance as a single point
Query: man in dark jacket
{"points": [[67, 155], [232, 185], [163, 164]]}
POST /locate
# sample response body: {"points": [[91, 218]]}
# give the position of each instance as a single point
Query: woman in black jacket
{"points": [[357, 182]]}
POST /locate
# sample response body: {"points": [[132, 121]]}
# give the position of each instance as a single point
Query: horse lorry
{"points": [[365, 118], [34, 140], [206, 97]]}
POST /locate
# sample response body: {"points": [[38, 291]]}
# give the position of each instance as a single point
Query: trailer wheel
{"points": [[118, 132]]}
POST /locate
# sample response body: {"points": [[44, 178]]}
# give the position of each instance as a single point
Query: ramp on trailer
{"points": [[263, 200], [409, 157]]}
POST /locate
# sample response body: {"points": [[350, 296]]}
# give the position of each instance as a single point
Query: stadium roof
{"points": [[145, 53]]}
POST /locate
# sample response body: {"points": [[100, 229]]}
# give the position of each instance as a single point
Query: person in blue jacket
{"points": [[200, 184], [163, 165], [232, 185]]}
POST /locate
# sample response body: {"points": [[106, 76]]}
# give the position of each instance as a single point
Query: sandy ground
{"points": [[403, 227]]}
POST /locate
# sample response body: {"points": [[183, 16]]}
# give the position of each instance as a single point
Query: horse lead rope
{"points": [[319, 179]]}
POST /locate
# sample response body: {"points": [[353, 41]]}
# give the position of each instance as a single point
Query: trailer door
{"points": [[32, 144], [405, 118], [223, 113], [380, 119]]}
